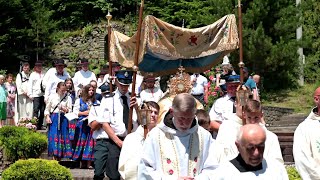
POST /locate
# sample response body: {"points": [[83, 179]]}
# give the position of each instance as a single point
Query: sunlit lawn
{"points": [[301, 99]]}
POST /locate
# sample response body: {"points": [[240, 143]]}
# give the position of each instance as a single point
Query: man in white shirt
{"points": [[24, 105], [150, 93], [112, 124], [250, 162], [199, 88], [306, 143], [36, 92], [59, 75], [178, 148], [83, 77], [224, 106]]}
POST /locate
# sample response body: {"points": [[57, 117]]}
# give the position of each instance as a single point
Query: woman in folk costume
{"points": [[72, 94], [58, 134], [11, 88], [83, 134]]}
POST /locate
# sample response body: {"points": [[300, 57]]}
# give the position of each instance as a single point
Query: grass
{"points": [[300, 99]]}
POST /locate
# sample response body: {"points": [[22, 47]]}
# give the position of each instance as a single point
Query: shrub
{"points": [[36, 169], [22, 143], [293, 173]]}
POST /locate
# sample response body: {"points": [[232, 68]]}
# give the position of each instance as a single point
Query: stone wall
{"points": [[89, 43], [273, 115]]}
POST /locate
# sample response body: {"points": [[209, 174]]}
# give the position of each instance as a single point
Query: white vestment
{"points": [[131, 153], [24, 105], [271, 170], [306, 147], [228, 134], [169, 154]]}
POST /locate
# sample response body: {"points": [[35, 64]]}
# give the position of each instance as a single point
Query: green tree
{"points": [[310, 10]]}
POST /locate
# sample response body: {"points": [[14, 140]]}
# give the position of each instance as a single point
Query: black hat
{"points": [[102, 72], [38, 63], [84, 61], [124, 77], [59, 62]]}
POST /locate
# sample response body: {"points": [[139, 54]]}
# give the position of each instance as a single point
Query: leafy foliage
{"points": [[37, 169], [19, 142]]}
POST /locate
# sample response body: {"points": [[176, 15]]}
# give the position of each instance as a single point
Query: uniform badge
{"points": [[126, 74]]}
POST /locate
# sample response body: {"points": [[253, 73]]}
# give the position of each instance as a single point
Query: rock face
{"points": [[90, 44]]}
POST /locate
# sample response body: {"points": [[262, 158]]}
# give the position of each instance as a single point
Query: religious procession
{"points": [[146, 114]]}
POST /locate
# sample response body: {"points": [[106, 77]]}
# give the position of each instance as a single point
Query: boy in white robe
{"points": [[178, 148], [252, 115], [131, 151], [250, 163], [306, 143]]}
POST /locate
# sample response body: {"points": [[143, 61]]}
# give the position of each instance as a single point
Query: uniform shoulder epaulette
{"points": [[96, 104], [109, 95]]}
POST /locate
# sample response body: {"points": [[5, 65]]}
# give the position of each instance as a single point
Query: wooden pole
{"points": [[109, 16], [241, 64], [135, 67]]}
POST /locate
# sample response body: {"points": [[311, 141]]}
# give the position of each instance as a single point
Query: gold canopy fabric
{"points": [[165, 47]]}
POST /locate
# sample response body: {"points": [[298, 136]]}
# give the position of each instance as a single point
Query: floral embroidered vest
{"points": [[170, 157]]}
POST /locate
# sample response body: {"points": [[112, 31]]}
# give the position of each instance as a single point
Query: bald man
{"points": [[306, 143], [250, 163], [178, 148]]}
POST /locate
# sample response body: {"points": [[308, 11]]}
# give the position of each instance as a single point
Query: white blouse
{"points": [[54, 100]]}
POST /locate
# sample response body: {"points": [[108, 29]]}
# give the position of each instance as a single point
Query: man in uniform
{"points": [[110, 125], [224, 106]]}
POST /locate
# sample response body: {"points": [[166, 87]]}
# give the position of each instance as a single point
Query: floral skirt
{"points": [[84, 142], [58, 137]]}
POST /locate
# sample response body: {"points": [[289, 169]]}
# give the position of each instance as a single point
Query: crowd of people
{"points": [[87, 119]]}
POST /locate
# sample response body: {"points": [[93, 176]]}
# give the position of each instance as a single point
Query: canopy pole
{"points": [[109, 16], [241, 64], [135, 67]]}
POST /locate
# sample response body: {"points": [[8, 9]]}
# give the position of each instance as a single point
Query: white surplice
{"points": [[169, 154], [271, 170], [228, 134], [131, 153], [306, 147]]}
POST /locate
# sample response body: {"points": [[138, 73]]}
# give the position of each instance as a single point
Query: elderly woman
{"points": [[12, 89]]}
